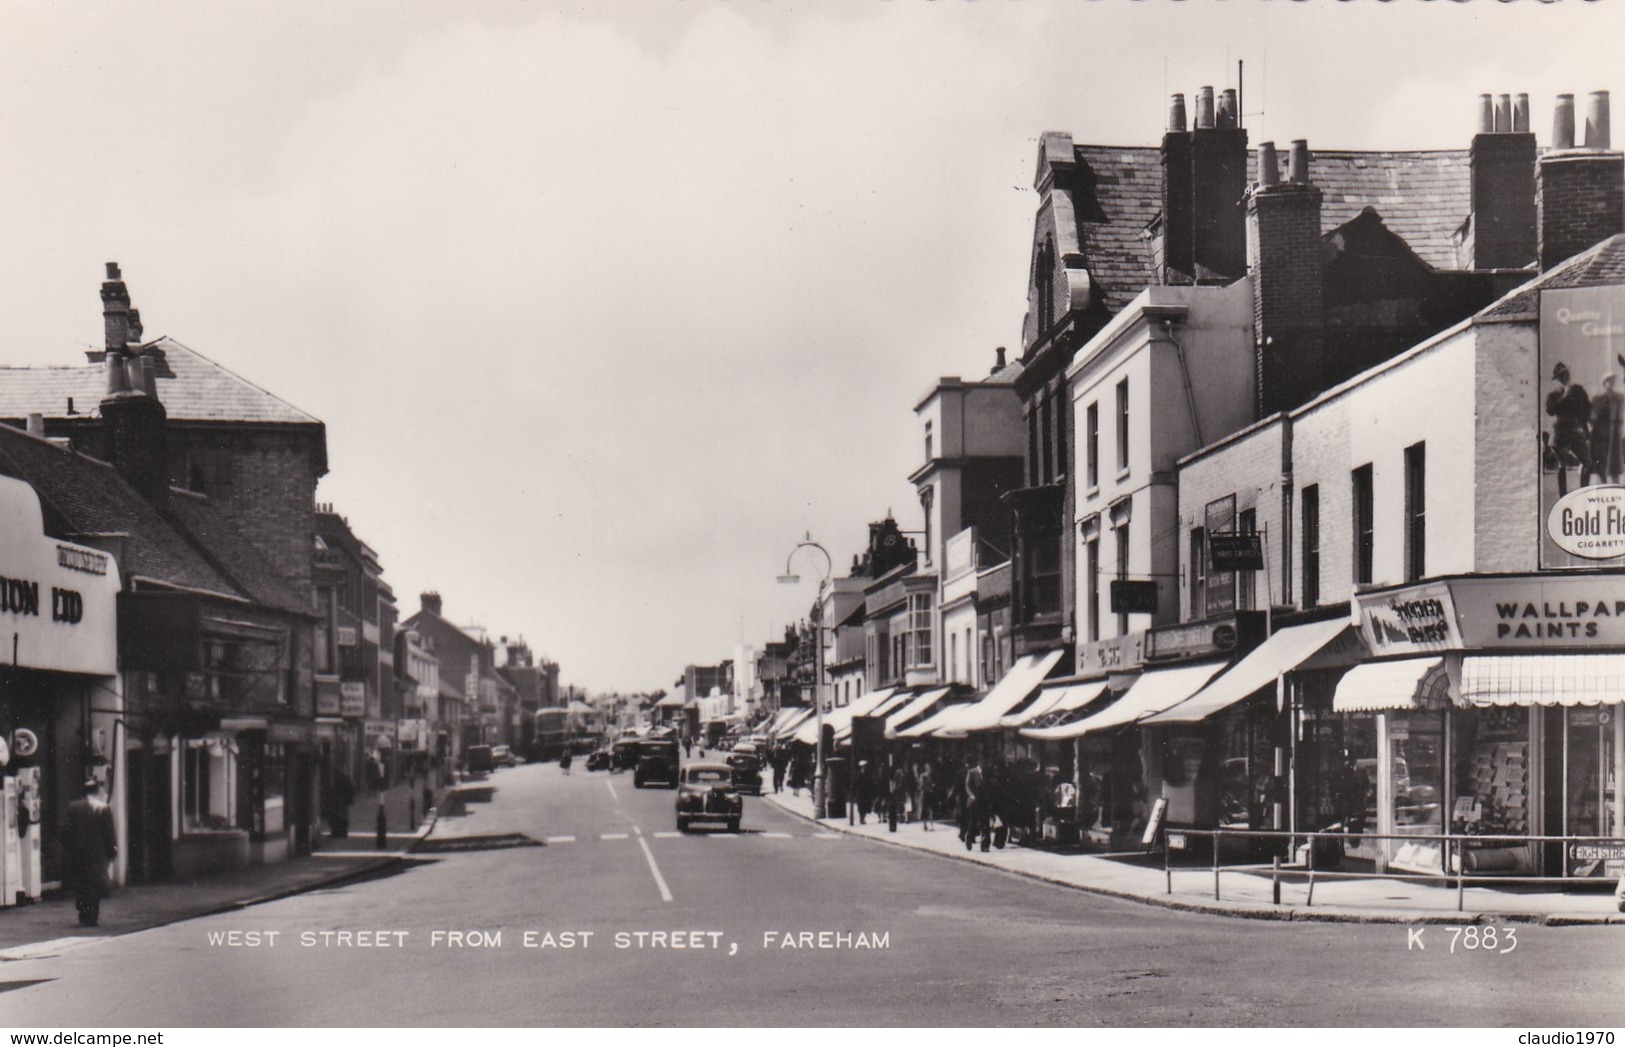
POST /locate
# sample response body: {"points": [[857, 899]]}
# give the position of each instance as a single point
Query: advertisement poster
{"points": [[1582, 427]]}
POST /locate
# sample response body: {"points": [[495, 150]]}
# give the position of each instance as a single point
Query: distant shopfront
{"points": [[61, 709], [1494, 711]]}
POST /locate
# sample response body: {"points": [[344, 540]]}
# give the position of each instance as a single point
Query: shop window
{"points": [[1415, 512], [1492, 786], [1311, 545], [1364, 524], [209, 783], [1593, 756], [1415, 789]]}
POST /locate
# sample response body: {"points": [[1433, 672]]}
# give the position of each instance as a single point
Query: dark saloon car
{"points": [[601, 759], [657, 762], [624, 754], [746, 764], [707, 794]]}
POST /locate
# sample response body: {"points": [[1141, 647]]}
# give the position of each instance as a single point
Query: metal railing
{"points": [[1453, 851]]}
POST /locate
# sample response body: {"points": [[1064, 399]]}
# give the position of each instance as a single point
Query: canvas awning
{"points": [[1283, 652], [1151, 694], [937, 719], [790, 722], [902, 715], [1015, 687], [1543, 679], [895, 701], [841, 717], [1065, 700], [1410, 683]]}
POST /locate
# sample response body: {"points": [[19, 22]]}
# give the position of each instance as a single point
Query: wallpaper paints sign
{"points": [[1581, 423], [58, 601]]}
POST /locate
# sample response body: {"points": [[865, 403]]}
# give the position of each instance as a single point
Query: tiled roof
{"points": [[240, 559], [1422, 196], [193, 388], [90, 497], [1601, 265]]}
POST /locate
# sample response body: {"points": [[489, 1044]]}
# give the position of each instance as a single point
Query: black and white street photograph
{"points": [[704, 514]]}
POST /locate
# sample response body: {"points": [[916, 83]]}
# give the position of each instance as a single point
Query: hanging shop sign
{"points": [[58, 601], [1578, 414], [1522, 612]]}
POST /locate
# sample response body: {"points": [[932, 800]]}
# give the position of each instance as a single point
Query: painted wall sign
{"points": [[352, 698], [1581, 422], [58, 601], [1416, 619]]}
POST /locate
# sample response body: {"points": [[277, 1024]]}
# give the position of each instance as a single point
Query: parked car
{"points": [[746, 764], [624, 753], [707, 794], [477, 759], [657, 761], [601, 759], [502, 756]]}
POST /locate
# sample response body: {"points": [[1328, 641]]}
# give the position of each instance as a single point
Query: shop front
{"points": [[1511, 730], [61, 707]]}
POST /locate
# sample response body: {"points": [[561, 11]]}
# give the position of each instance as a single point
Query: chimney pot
{"points": [[1227, 108], [132, 374], [999, 356], [1503, 114], [1486, 114], [112, 271], [1204, 109], [1298, 165], [1597, 130], [36, 425], [1269, 167], [118, 380], [1520, 114], [149, 376], [1563, 123], [1176, 112]]}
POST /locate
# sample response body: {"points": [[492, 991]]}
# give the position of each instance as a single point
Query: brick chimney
{"points": [[1204, 182], [133, 419], [1287, 258], [1579, 190], [431, 603], [1501, 180]]}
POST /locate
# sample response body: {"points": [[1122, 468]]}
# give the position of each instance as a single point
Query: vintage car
{"points": [[624, 753], [746, 764], [477, 759], [601, 759], [706, 794], [502, 756], [657, 761]]}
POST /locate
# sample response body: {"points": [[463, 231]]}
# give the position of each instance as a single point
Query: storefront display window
{"points": [[1492, 786], [208, 783], [1591, 758], [1414, 794]]}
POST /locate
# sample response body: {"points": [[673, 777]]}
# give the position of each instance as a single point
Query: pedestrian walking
{"points": [[777, 763], [924, 803], [976, 821], [90, 845], [564, 760]]}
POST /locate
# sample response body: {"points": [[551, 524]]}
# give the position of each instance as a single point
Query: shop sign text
{"points": [[1416, 619], [1590, 522]]}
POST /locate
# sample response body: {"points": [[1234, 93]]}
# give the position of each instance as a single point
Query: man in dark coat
{"points": [[1570, 409], [90, 844]]}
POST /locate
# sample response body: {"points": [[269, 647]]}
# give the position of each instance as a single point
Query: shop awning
{"points": [[1287, 650], [1151, 694], [1016, 686], [807, 733], [793, 718], [1060, 702], [938, 719], [881, 709], [672, 701], [1543, 679], [901, 716], [1410, 683]]}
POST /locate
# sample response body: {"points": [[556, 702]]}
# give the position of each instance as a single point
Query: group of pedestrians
{"points": [[1588, 432]]}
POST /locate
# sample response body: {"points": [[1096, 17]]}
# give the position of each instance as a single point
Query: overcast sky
{"points": [[605, 305]]}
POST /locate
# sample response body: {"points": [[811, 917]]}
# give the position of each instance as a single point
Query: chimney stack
{"points": [[998, 364], [133, 419], [1579, 192], [1500, 232], [1286, 256], [36, 425], [430, 602]]}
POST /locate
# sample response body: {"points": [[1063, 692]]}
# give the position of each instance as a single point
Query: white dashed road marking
{"points": [[612, 836], [669, 836], [776, 836], [561, 839]]}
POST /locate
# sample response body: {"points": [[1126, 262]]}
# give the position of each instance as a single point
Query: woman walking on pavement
{"points": [[924, 801]]}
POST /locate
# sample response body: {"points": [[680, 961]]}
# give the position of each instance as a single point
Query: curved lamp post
{"points": [[791, 578]]}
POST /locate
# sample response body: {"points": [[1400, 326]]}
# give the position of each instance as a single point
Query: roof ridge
{"points": [[246, 381]]}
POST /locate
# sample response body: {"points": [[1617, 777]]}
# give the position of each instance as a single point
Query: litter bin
{"points": [[837, 777]]}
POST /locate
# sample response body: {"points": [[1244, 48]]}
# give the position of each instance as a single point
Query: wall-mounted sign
{"points": [[352, 698], [1590, 523], [58, 602], [1113, 655], [1581, 421], [344, 636], [1232, 634], [1407, 621], [1528, 612], [1235, 552]]}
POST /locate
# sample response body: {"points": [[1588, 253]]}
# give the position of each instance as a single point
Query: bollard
{"points": [[383, 823], [891, 817], [1275, 879]]}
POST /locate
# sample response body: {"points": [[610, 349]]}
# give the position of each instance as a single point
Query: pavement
{"points": [[25, 928], [1249, 894]]}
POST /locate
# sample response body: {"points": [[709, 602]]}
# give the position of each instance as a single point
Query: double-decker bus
{"points": [[552, 734]]}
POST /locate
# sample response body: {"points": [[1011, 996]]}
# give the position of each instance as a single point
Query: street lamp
{"points": [[791, 578]]}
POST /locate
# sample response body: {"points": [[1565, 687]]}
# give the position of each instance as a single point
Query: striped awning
{"points": [[1015, 687], [891, 702], [1409, 683], [1543, 679], [841, 717], [900, 718], [1054, 700]]}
